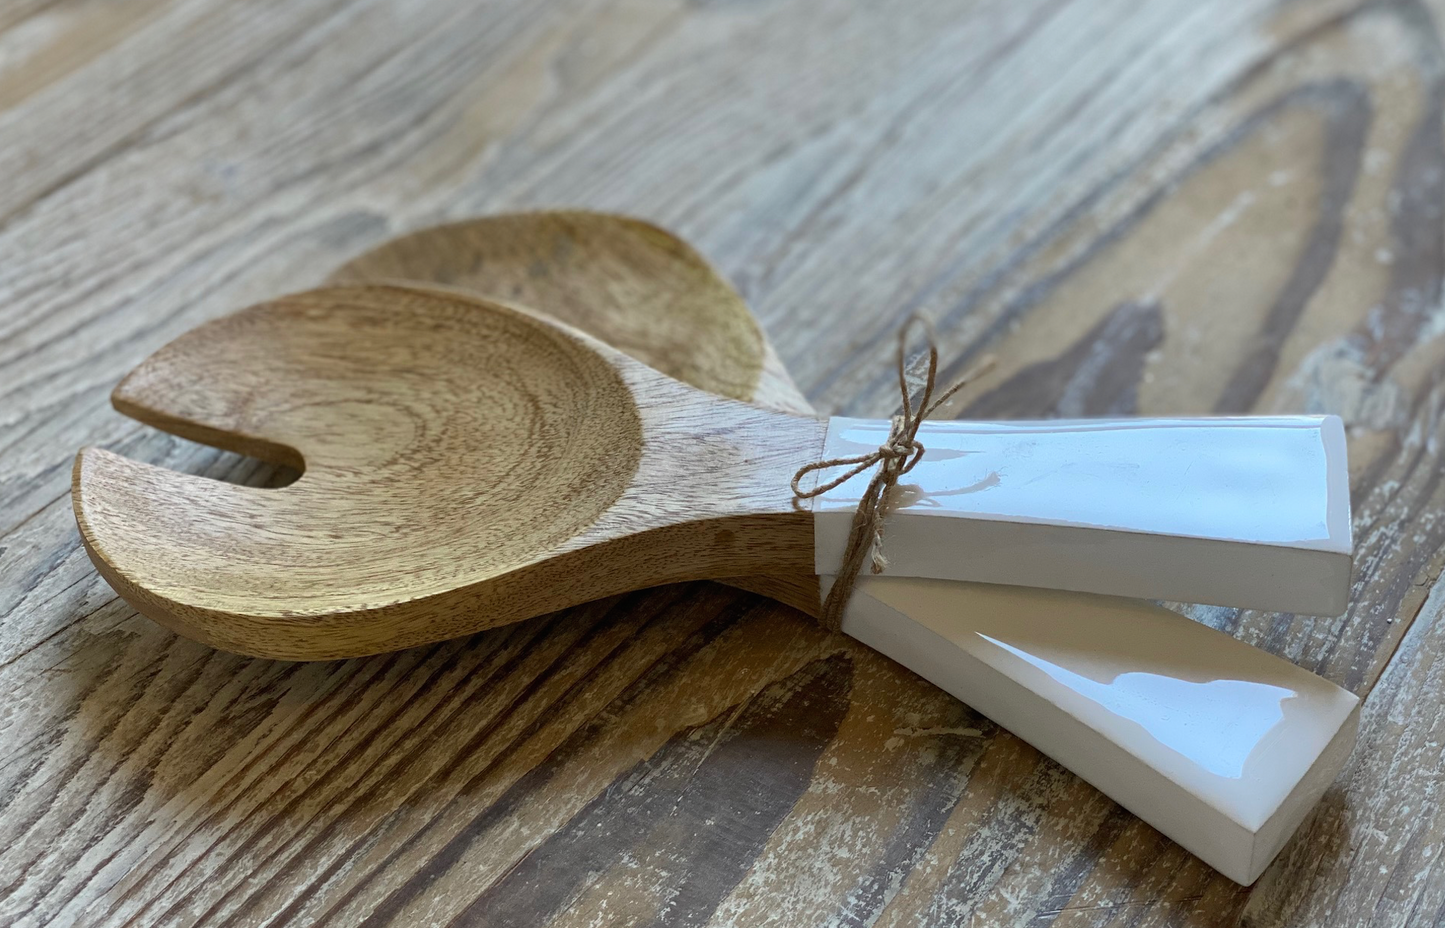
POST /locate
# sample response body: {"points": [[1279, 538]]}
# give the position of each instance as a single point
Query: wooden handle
{"points": [[1247, 512]]}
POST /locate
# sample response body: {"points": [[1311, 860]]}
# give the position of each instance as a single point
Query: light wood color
{"points": [[622, 280], [627, 283], [468, 465], [1149, 208]]}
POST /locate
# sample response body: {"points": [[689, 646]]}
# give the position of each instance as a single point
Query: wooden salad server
{"points": [[1310, 702], [1218, 744], [1283, 547], [462, 456]]}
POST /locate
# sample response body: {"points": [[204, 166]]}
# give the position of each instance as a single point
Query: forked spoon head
{"points": [[445, 443]]}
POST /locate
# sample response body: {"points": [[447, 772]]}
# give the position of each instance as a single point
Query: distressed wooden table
{"points": [[1160, 207]]}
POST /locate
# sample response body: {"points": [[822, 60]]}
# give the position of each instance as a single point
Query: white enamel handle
{"points": [[1219, 745], [1251, 512]]}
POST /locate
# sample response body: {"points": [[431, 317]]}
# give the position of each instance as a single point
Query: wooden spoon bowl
{"points": [[420, 402], [626, 282]]}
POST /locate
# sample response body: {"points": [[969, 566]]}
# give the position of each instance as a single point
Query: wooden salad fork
{"points": [[465, 458]]}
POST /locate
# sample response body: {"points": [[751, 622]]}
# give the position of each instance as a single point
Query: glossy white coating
{"points": [[1251, 511], [1217, 744]]}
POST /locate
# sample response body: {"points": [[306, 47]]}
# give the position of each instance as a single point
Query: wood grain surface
{"points": [[1156, 207]]}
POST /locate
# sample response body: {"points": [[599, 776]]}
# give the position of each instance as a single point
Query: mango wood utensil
{"points": [[1151, 644], [469, 460], [1218, 744]]}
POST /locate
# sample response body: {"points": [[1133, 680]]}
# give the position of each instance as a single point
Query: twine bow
{"points": [[894, 458]]}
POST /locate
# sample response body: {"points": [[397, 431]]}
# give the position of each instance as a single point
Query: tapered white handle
{"points": [[1250, 511], [1219, 745]]}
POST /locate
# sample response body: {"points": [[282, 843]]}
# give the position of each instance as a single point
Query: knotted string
{"points": [[894, 458]]}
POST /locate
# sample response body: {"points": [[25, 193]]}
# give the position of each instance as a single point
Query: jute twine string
{"points": [[894, 458]]}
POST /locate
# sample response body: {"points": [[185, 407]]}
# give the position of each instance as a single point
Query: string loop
{"points": [[898, 455]]}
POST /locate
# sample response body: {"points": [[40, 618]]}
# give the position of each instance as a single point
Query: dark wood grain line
{"points": [[537, 630], [389, 910], [991, 848], [371, 673], [60, 629], [1035, 292], [268, 765], [1419, 246], [172, 683], [1070, 878], [1391, 554], [1098, 375], [251, 707], [714, 792], [1345, 106], [518, 643], [945, 765], [1342, 101], [170, 707]]}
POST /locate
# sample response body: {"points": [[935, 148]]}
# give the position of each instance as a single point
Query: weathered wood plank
{"points": [[1154, 207]]}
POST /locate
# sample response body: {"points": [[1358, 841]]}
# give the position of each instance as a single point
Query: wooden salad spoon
{"points": [[643, 290], [985, 625], [1106, 686]]}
